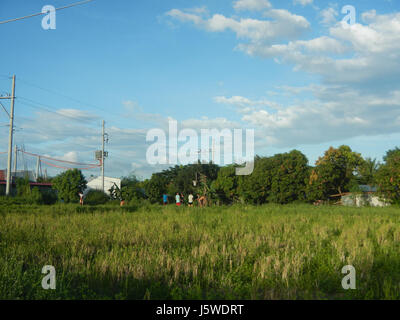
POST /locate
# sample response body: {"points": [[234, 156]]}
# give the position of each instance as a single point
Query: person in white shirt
{"points": [[178, 199], [190, 198]]}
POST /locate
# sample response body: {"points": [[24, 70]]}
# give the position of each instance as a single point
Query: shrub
{"points": [[96, 197], [35, 196], [49, 196], [69, 184]]}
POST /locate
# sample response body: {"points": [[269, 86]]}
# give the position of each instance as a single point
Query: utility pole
{"points": [[212, 150], [38, 165], [10, 137], [102, 157], [104, 154], [15, 161]]}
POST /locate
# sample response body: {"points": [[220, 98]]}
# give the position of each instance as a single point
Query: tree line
{"points": [[283, 178]]}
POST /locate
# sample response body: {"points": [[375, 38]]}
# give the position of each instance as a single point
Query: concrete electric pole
{"points": [[102, 158], [15, 161], [10, 137], [104, 154]]}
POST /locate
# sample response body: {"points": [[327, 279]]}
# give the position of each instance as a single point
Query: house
{"points": [[18, 174], [95, 183], [367, 196], [22, 174]]}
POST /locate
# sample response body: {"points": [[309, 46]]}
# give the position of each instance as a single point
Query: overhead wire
{"points": [[41, 13], [34, 104], [58, 160], [82, 103]]}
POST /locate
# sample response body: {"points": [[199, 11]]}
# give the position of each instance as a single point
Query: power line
{"points": [[63, 95], [83, 103], [58, 160], [5, 109], [41, 13], [34, 104]]}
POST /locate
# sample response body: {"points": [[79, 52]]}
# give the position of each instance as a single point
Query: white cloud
{"points": [[245, 105], [70, 156], [329, 16], [303, 2], [336, 113], [358, 66], [283, 24], [251, 5], [207, 123]]}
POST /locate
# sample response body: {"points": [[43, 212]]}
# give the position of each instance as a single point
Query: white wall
{"points": [[95, 184]]}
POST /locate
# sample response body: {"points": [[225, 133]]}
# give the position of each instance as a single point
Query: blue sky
{"points": [[289, 69]]}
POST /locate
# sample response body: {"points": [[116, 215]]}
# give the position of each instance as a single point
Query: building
{"points": [[95, 183], [18, 174], [21, 174], [366, 197]]}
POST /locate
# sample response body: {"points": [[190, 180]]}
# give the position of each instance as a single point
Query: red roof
{"points": [[33, 184], [2, 174]]}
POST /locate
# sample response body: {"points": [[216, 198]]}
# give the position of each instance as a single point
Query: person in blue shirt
{"points": [[165, 199]]}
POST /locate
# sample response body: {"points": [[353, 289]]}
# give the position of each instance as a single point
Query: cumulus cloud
{"points": [[358, 66], [357, 93], [329, 16], [282, 24], [349, 54], [336, 113], [252, 5], [245, 105], [303, 2]]}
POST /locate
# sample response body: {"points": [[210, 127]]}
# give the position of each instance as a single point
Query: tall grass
{"points": [[239, 252]]}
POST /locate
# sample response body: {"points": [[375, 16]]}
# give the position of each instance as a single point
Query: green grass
{"points": [[239, 252]]}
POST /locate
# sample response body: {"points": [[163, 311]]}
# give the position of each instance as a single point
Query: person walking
{"points": [[178, 199], [165, 199], [190, 200], [81, 198]]}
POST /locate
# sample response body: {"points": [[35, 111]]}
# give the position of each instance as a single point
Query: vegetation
{"points": [[96, 197], [235, 252], [334, 173], [69, 184], [269, 251], [388, 176], [279, 179], [283, 178], [34, 195], [180, 179]]}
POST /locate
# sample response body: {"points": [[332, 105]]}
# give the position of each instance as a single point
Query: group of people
{"points": [[179, 199]]}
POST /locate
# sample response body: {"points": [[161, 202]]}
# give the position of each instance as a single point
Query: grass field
{"points": [[240, 252]]}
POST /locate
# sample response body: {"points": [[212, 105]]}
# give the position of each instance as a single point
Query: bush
{"points": [[96, 197], [35, 197], [49, 196]]}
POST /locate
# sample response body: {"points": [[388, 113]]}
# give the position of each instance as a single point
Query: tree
{"points": [[334, 173], [69, 184], [226, 185], [256, 188], [155, 187], [131, 189], [288, 180], [179, 179], [278, 179], [368, 171], [388, 176]]}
